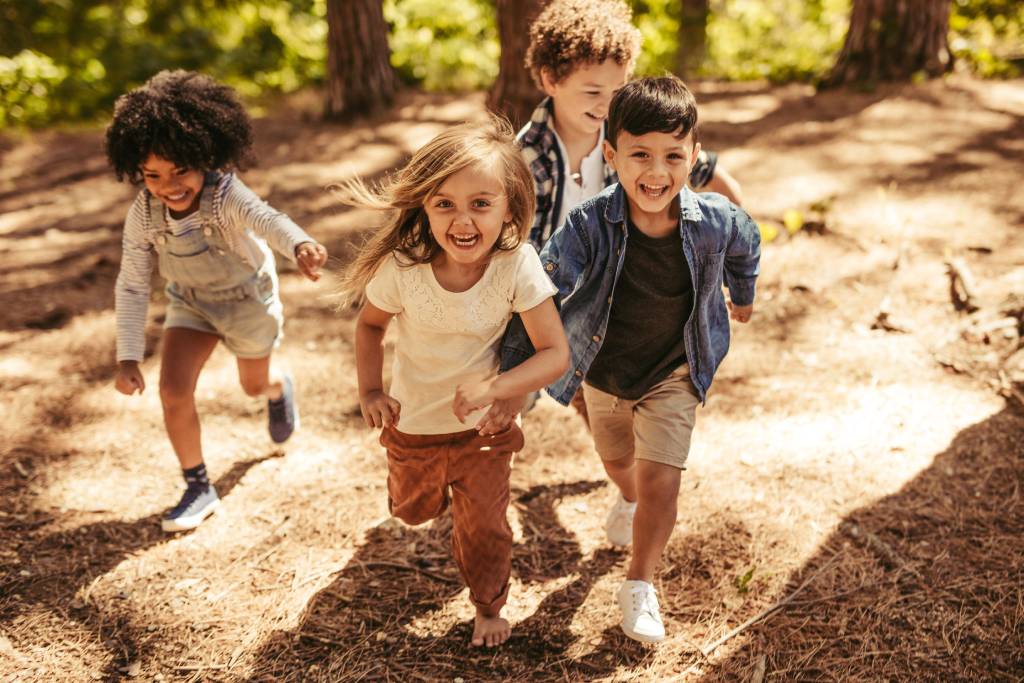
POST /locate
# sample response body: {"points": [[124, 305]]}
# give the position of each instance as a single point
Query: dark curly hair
{"points": [[571, 33], [184, 117]]}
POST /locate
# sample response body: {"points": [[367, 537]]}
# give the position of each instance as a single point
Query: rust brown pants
{"points": [[421, 470]]}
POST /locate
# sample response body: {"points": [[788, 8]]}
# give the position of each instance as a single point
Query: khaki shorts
{"points": [[655, 427]]}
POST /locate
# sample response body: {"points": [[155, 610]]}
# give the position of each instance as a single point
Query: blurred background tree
{"points": [[67, 60], [359, 74]]}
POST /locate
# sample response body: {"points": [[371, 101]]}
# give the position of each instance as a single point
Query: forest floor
{"points": [[875, 473]]}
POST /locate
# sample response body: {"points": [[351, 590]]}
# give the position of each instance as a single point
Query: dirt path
{"points": [[830, 452]]}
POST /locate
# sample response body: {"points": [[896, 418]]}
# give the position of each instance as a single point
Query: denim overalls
{"points": [[212, 289]]}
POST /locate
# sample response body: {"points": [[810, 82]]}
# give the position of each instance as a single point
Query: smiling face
{"points": [[467, 214], [581, 98], [177, 188], [652, 169]]}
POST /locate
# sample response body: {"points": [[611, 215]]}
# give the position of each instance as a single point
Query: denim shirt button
{"points": [[578, 373], [618, 252], [549, 267], [596, 337]]}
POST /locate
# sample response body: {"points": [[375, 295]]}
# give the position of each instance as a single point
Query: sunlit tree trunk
{"points": [[693, 26], [359, 74], [514, 93], [891, 40]]}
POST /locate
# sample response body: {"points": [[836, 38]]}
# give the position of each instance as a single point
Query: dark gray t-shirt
{"points": [[652, 301]]}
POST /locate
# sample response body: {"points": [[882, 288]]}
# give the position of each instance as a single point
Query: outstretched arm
{"points": [[725, 184], [742, 264]]}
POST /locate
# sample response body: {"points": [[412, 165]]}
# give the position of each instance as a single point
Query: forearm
{"points": [[542, 368]]}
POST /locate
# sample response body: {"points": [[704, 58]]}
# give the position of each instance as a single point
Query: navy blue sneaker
{"points": [[283, 413], [196, 504]]}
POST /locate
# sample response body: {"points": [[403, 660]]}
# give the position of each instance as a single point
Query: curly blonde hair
{"points": [[401, 199], [569, 33]]}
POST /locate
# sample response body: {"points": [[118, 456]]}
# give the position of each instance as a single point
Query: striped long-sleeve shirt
{"points": [[242, 218]]}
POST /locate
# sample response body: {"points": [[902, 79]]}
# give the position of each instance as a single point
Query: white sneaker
{"points": [[641, 619], [620, 522]]}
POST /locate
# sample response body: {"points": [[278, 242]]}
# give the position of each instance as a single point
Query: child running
{"points": [[451, 265], [179, 134], [639, 270]]}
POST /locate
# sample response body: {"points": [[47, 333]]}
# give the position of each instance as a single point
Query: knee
{"points": [[254, 387], [175, 395], [660, 487], [619, 464], [412, 517]]}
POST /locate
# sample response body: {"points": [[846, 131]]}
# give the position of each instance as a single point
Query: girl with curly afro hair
{"points": [[181, 135]]}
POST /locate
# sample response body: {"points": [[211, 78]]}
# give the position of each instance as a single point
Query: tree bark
{"points": [[359, 74], [693, 31], [892, 40], [514, 93]]}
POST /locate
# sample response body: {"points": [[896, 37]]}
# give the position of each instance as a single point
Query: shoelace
{"points": [[191, 495], [642, 602]]}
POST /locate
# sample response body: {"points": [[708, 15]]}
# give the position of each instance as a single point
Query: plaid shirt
{"points": [[541, 151]]}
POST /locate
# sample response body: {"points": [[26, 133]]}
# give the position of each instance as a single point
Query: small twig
{"points": [[880, 547], [708, 649], [411, 568], [961, 285]]}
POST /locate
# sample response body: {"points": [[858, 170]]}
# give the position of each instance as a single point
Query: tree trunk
{"points": [[892, 40], [693, 27], [359, 74], [514, 93]]}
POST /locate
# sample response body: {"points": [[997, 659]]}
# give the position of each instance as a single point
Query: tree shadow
{"points": [[60, 564], [379, 616], [925, 584]]}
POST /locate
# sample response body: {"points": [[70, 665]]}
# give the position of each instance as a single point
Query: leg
{"points": [[580, 404], [259, 378], [611, 423], [184, 353], [416, 475], [658, 489], [481, 535]]}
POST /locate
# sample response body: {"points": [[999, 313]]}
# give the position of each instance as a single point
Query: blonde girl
{"points": [[450, 266]]}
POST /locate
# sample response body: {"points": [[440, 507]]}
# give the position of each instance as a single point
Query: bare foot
{"points": [[489, 630]]}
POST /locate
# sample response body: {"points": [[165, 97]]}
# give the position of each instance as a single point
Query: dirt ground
{"points": [[865, 483]]}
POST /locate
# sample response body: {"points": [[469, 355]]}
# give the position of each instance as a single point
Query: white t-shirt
{"points": [[591, 178], [450, 338]]}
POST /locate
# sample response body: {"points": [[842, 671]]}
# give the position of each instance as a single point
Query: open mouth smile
{"points": [[464, 241], [653, 191]]}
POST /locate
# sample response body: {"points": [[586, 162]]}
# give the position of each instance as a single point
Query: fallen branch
{"points": [[706, 650], [880, 547]]}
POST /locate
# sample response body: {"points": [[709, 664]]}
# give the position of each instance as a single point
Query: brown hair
{"points": [[569, 33], [406, 229]]}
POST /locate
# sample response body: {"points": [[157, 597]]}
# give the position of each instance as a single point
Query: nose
{"points": [[462, 218]]}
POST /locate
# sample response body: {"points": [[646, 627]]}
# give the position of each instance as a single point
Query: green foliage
{"points": [[658, 21], [444, 44], [988, 36], [77, 56]]}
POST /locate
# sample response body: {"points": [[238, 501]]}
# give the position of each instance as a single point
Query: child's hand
{"points": [[129, 378], [379, 409], [500, 415], [310, 256], [740, 313], [470, 397]]}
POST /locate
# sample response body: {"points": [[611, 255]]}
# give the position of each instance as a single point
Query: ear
{"points": [[547, 81], [609, 154], [694, 156]]}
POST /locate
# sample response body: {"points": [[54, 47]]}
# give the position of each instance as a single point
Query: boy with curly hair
{"points": [[580, 53]]}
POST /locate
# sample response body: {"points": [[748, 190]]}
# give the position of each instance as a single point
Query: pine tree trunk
{"points": [[892, 40], [359, 74], [693, 27], [514, 93]]}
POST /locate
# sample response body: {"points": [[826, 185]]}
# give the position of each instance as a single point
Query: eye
{"points": [[481, 203], [180, 171], [639, 155], [443, 204]]}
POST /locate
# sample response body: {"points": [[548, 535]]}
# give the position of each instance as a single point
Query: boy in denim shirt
{"points": [[648, 325]]}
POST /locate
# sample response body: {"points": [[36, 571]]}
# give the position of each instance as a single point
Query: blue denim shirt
{"points": [[584, 258]]}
